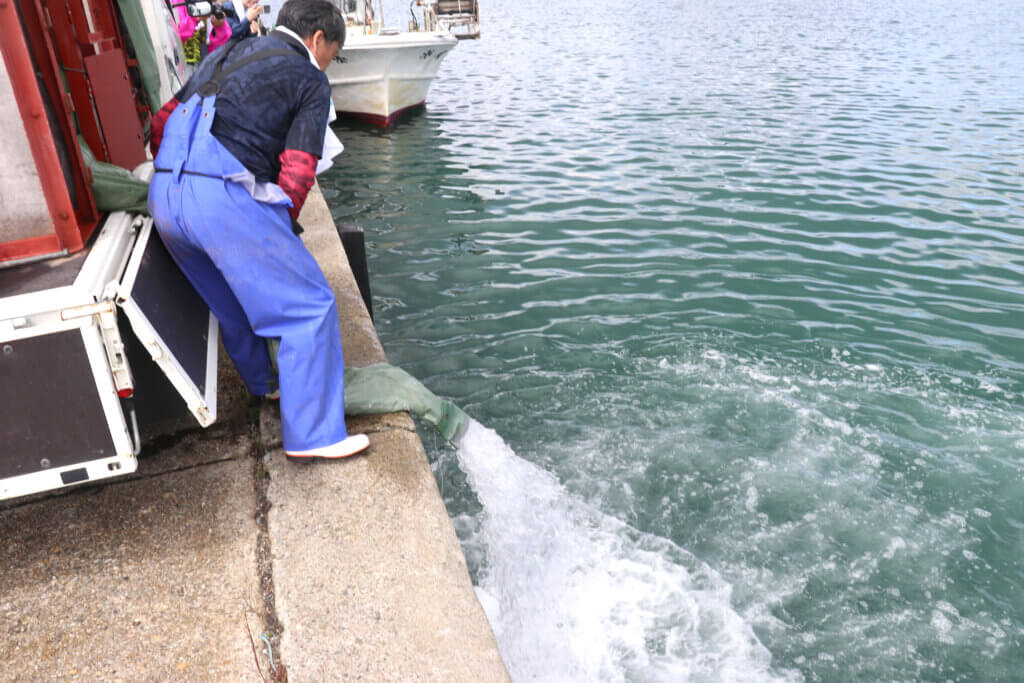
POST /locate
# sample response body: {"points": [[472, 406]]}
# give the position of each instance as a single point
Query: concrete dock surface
{"points": [[220, 560]]}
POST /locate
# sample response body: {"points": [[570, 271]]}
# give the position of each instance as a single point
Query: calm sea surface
{"points": [[742, 286]]}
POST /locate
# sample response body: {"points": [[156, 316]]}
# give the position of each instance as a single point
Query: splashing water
{"points": [[576, 595], [755, 292]]}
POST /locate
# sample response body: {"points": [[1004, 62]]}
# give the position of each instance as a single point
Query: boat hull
{"points": [[377, 78]]}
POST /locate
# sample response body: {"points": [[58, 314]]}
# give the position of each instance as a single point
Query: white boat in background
{"points": [[382, 72]]}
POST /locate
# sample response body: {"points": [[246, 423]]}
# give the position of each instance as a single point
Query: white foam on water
{"points": [[576, 595], [854, 478]]}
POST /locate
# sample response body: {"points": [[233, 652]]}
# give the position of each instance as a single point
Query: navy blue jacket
{"points": [[270, 105]]}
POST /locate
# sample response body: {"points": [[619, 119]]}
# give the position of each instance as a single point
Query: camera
{"points": [[198, 9]]}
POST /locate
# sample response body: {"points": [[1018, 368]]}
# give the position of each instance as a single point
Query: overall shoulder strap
{"points": [[212, 86]]}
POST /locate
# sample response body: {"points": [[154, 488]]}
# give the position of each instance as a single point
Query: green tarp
{"points": [[138, 31], [114, 188]]}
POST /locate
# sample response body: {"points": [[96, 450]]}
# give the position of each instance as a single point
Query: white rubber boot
{"points": [[355, 443]]}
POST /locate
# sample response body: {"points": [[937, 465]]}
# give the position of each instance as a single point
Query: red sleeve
{"points": [[156, 126], [298, 170]]}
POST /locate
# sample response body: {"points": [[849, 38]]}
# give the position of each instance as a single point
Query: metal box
{"points": [[88, 344]]}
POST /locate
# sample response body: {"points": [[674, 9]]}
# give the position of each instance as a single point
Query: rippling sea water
{"points": [[741, 284]]}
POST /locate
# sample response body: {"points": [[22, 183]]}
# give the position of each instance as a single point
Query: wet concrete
{"points": [[351, 570], [373, 533], [149, 577]]}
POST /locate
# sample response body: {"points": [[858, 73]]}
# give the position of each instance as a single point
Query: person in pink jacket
{"points": [[186, 24], [220, 29]]}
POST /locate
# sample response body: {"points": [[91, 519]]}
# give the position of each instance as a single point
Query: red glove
{"points": [[298, 171], [156, 126]]}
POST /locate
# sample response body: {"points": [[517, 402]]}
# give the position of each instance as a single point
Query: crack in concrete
{"points": [[157, 445], [94, 487], [272, 625], [182, 468], [388, 428]]}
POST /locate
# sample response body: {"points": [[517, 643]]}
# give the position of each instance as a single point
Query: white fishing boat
{"points": [[382, 72]]}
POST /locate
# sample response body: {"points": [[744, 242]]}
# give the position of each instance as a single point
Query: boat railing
{"points": [[457, 7], [364, 15], [461, 18]]}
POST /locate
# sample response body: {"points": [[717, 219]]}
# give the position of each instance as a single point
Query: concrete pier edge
{"points": [[370, 534], [218, 553]]}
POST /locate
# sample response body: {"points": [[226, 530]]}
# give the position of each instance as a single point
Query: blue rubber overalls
{"points": [[254, 273]]}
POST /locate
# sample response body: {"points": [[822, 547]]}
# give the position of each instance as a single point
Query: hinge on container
{"points": [[106, 315]]}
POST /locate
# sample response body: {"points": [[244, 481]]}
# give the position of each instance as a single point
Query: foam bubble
{"points": [[576, 595], [895, 545], [751, 502]]}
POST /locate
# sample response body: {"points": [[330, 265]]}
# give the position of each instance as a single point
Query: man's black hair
{"points": [[306, 17]]}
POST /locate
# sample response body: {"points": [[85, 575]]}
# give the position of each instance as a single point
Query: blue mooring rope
{"points": [[270, 651]]}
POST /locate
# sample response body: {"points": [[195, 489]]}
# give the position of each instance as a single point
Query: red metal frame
{"points": [[30, 248], [16, 56], [69, 22], [115, 108], [57, 34]]}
